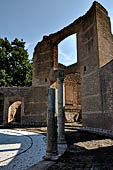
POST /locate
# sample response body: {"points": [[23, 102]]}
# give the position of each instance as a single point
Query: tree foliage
{"points": [[15, 67]]}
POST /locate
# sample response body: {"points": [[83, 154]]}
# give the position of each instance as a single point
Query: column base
{"points": [[51, 157], [61, 142]]}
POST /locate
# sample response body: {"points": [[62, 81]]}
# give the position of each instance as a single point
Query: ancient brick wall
{"points": [[1, 107], [72, 91], [33, 104], [105, 45], [106, 75], [89, 65], [72, 86], [91, 40], [98, 40], [12, 95], [45, 61], [42, 62], [87, 85], [94, 49]]}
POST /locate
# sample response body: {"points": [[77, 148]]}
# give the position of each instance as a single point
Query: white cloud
{"points": [[30, 46], [66, 58], [67, 52]]}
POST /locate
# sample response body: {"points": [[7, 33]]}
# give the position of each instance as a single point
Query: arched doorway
{"points": [[14, 112]]}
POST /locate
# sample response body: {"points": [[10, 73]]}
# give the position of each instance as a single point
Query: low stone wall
{"points": [[33, 104], [98, 131]]}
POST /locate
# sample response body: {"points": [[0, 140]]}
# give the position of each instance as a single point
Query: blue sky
{"points": [[30, 20]]}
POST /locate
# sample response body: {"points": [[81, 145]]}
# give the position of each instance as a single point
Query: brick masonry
{"points": [[88, 84]]}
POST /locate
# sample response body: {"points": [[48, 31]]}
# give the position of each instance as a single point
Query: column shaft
{"points": [[61, 117], [51, 152]]}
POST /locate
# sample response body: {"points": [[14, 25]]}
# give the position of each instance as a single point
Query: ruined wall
{"points": [[1, 107], [45, 56], [12, 95], [105, 38], [106, 75], [45, 61], [33, 104], [72, 86], [93, 33], [94, 50], [71, 91], [89, 65], [36, 104], [42, 63], [91, 57]]}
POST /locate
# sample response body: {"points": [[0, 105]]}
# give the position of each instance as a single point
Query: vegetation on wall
{"points": [[15, 67]]}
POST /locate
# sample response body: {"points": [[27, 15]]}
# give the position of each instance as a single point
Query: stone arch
{"points": [[14, 109]]}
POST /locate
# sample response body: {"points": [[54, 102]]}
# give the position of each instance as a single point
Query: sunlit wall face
{"points": [[67, 51]]}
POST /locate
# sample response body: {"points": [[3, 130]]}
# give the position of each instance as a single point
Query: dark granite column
{"points": [[51, 152], [61, 117]]}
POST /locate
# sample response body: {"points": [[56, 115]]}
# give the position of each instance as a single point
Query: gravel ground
{"points": [[86, 151]]}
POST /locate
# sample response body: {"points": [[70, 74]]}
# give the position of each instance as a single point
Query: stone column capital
{"points": [[60, 75]]}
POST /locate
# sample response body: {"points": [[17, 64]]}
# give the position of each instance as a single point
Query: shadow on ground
{"points": [[79, 158]]}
